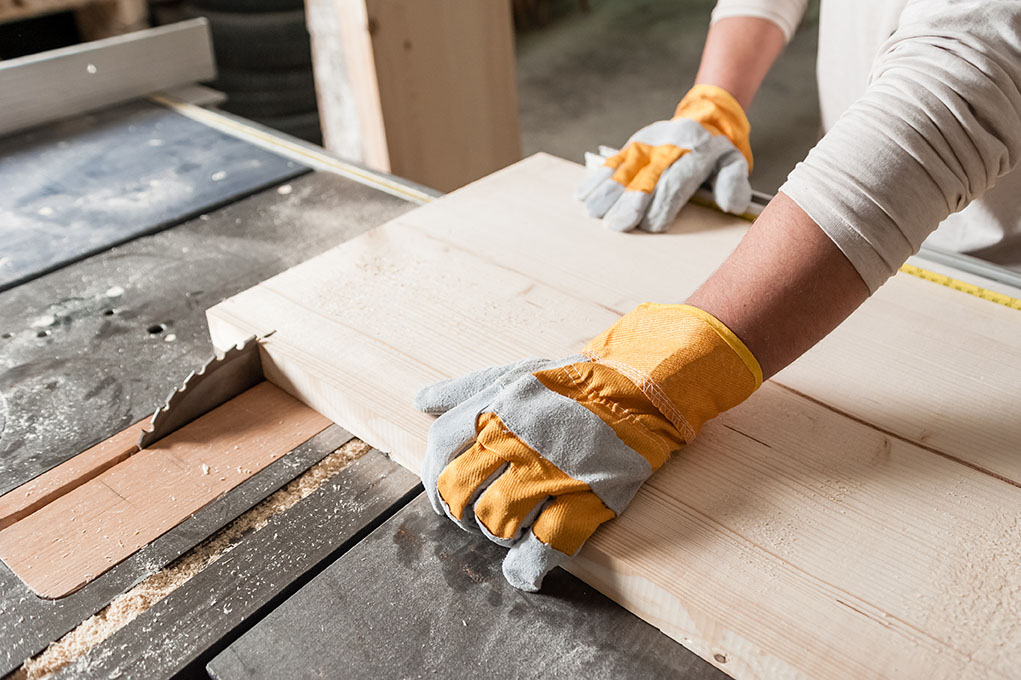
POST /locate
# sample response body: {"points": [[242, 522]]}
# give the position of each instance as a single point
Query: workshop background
{"points": [[589, 72]]}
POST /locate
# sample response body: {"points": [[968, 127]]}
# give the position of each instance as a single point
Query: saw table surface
{"points": [[94, 346]]}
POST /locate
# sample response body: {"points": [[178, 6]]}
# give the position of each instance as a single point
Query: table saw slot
{"points": [[90, 514]]}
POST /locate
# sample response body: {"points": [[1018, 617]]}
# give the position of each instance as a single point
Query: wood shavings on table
{"points": [[76, 644]]}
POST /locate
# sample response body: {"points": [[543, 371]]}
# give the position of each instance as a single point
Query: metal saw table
{"points": [[358, 578]]}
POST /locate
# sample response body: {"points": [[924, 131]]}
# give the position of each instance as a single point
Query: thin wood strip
{"points": [[22, 501], [794, 538], [80, 535]]}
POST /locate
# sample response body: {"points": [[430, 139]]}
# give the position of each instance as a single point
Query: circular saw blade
{"points": [[218, 380]]}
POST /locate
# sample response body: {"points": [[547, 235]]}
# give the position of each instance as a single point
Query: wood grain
{"points": [[857, 517], [79, 535], [426, 91]]}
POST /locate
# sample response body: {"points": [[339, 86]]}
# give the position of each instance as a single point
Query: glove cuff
{"points": [[719, 113], [683, 359]]}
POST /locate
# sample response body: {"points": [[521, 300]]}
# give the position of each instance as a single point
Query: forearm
{"points": [[784, 288], [738, 53]]}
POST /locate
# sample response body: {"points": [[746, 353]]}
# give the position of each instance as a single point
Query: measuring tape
{"points": [[970, 289]]}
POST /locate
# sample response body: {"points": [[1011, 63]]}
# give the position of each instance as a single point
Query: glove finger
{"points": [[592, 180], [561, 529], [675, 188], [461, 482], [511, 503], [452, 434], [731, 189], [627, 212], [629, 209], [637, 163], [603, 197], [442, 396]]}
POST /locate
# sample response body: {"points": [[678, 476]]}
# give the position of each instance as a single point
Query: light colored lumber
{"points": [[858, 517], [72, 473], [81, 533], [48, 86], [423, 90]]}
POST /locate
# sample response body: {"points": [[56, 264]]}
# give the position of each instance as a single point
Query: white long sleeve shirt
{"points": [[921, 103]]}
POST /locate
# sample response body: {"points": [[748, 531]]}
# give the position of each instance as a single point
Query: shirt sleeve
{"points": [[786, 14], [939, 122]]}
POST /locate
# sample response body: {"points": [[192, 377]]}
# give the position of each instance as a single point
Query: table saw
{"points": [[93, 337], [325, 562]]}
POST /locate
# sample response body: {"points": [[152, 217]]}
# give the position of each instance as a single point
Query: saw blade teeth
{"points": [[178, 394]]}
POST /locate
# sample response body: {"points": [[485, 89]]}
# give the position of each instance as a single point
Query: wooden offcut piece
{"points": [[75, 522], [859, 516], [425, 90]]}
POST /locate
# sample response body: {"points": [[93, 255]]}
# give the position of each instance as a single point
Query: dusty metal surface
{"points": [[76, 187], [93, 347], [421, 598]]}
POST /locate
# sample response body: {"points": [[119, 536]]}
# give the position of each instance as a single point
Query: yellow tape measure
{"points": [[970, 289]]}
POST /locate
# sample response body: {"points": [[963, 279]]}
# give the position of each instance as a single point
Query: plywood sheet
{"points": [[80, 534], [859, 516]]}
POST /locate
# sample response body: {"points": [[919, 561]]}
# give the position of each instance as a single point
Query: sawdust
{"points": [[978, 590], [123, 609]]}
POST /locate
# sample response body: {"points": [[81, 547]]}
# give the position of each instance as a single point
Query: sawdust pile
{"points": [[123, 609]]}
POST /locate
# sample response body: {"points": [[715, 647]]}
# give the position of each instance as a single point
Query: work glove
{"points": [[648, 181], [538, 453]]}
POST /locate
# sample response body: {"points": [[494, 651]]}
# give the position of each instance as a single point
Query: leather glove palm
{"points": [[648, 182], [537, 454]]}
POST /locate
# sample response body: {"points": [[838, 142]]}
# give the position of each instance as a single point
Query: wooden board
{"points": [[857, 517], [426, 91], [80, 534]]}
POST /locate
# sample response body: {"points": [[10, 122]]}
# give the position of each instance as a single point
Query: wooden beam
{"points": [[857, 517], [108, 18], [69, 81], [426, 91], [78, 534]]}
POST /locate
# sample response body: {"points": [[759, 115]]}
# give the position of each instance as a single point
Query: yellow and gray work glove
{"points": [[648, 182], [537, 454]]}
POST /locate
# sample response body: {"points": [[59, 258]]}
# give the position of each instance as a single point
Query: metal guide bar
{"points": [[44, 87], [296, 149]]}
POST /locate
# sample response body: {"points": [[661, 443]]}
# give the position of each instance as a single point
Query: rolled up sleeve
{"points": [[939, 122], [786, 14]]}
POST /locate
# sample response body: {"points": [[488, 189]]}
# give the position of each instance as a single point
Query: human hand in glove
{"points": [[537, 454], [648, 182]]}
